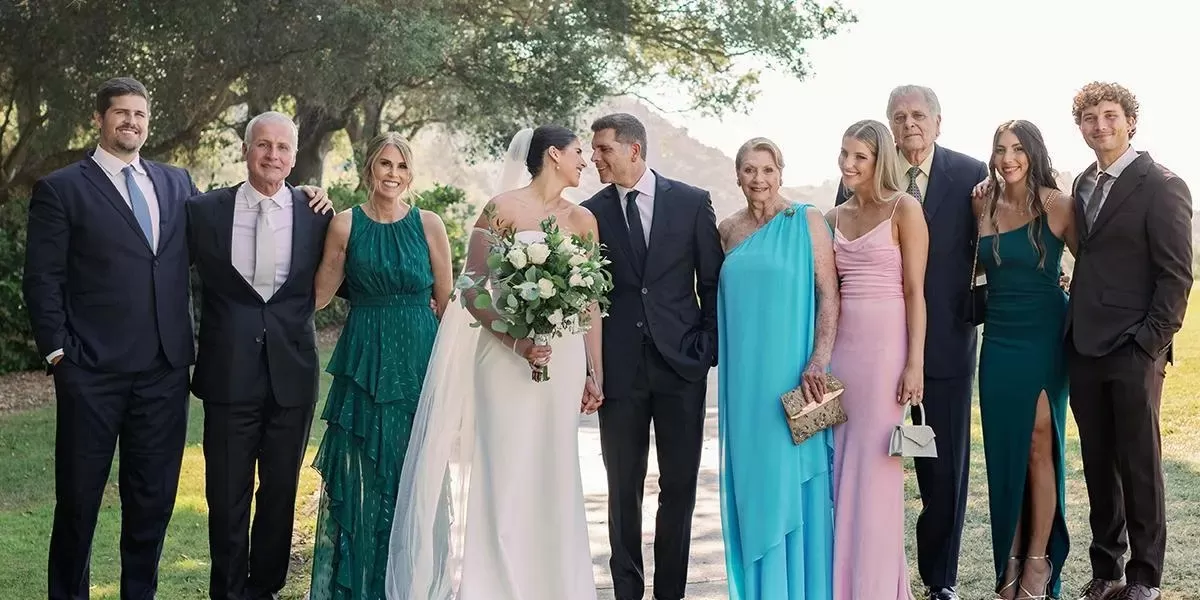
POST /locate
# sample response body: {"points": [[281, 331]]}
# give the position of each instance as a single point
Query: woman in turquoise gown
{"points": [[395, 261], [1022, 372], [777, 312]]}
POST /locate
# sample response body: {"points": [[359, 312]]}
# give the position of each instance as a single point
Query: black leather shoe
{"points": [[943, 593], [1137, 591], [1102, 589]]}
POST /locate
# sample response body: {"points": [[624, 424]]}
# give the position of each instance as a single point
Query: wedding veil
{"points": [[428, 531]]}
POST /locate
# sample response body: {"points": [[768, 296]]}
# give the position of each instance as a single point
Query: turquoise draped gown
{"points": [[776, 496]]}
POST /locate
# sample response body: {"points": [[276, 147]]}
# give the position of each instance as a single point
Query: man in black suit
{"points": [[106, 282], [1129, 294], [256, 247], [942, 180], [660, 339]]}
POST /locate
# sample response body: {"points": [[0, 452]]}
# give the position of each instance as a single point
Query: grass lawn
{"points": [[27, 504]]}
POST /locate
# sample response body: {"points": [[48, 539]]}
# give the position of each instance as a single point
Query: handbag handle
{"points": [[920, 407]]}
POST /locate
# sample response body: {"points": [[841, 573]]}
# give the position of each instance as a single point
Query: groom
{"points": [[660, 340]]}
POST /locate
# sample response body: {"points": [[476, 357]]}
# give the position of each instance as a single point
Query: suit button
{"points": [[258, 340], [645, 291], [156, 262], [639, 324]]}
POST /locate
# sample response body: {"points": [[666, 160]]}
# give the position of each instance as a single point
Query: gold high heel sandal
{"points": [[1043, 596], [1011, 584]]}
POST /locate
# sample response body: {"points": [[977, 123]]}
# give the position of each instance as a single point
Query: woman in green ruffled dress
{"points": [[395, 262]]}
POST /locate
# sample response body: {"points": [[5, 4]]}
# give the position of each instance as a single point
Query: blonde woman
{"points": [[881, 243], [395, 260]]}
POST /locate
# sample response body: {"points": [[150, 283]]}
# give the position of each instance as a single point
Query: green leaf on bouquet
{"points": [[529, 292], [531, 274], [500, 326], [494, 261], [518, 331], [483, 300]]}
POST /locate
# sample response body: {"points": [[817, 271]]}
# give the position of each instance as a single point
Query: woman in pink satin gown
{"points": [[881, 243]]}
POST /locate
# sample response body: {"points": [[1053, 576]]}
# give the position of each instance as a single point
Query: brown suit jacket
{"points": [[1134, 267]]}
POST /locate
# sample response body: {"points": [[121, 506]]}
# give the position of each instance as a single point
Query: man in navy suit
{"points": [[942, 180], [256, 246], [106, 282], [660, 339]]}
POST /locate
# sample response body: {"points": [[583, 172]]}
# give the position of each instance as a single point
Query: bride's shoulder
{"points": [[582, 219]]}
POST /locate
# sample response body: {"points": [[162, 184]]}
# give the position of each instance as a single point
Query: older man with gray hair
{"points": [[942, 180], [256, 246]]}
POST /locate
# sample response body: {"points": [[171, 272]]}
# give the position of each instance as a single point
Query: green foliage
{"points": [[17, 352]]}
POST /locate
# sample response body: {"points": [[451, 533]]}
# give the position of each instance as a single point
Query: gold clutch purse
{"points": [[805, 420]]}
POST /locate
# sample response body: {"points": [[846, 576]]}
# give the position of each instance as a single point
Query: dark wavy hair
{"points": [[1039, 175], [543, 138]]}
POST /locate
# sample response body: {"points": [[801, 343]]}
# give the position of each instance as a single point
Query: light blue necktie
{"points": [[141, 208]]}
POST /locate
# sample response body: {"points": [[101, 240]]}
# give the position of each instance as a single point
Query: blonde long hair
{"points": [[878, 138]]}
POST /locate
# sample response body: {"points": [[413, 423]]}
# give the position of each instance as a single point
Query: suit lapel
{"points": [[99, 179], [660, 222], [1080, 212], [616, 223], [939, 180], [1129, 181], [223, 222], [166, 204], [302, 217]]}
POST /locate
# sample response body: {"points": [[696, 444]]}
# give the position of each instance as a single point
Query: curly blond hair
{"points": [[1102, 91]]}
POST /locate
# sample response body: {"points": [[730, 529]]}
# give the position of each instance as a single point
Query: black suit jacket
{"points": [[949, 337], [1133, 272], [673, 295], [93, 285], [235, 323]]}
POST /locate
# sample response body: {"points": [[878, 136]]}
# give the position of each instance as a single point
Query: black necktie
{"points": [[1092, 209], [637, 236]]}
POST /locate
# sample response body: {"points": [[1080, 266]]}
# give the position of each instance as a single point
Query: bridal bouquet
{"points": [[542, 289]]}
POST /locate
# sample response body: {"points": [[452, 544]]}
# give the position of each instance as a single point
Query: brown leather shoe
{"points": [[1102, 589], [1138, 591]]}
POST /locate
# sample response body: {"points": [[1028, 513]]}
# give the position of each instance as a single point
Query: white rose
{"points": [[546, 288], [555, 318], [538, 253], [577, 280], [516, 257], [566, 246], [588, 281], [576, 260]]}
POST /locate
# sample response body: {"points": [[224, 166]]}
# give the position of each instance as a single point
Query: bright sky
{"points": [[988, 61]]}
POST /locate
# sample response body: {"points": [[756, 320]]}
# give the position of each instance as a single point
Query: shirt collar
{"points": [[926, 165], [113, 165], [251, 197], [1114, 170], [645, 186]]}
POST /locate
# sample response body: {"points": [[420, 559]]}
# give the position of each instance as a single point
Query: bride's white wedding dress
{"points": [[526, 530], [525, 533]]}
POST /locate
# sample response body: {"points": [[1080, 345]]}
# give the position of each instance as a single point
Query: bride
{"points": [[488, 442]]}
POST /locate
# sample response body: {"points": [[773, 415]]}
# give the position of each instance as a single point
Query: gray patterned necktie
{"points": [[914, 190], [1093, 204]]}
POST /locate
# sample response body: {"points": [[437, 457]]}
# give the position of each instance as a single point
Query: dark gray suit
{"points": [[257, 372]]}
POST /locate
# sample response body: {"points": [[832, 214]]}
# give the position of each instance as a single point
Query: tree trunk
{"points": [[317, 127]]}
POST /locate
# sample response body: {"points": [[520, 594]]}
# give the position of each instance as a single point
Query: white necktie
{"points": [[264, 251]]}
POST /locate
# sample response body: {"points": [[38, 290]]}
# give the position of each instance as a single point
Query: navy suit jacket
{"points": [[949, 337], [236, 324], [673, 295], [93, 285]]}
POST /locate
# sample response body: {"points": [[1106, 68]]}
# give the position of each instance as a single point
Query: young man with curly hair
{"points": [[1129, 293]]}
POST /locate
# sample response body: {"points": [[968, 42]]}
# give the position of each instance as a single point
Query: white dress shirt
{"points": [[245, 220], [645, 201], [1087, 183], [112, 166]]}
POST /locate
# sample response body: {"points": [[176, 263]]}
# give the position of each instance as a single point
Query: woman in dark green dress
{"points": [[1024, 224], [395, 260]]}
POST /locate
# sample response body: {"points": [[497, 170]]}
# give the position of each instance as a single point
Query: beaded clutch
{"points": [[805, 420]]}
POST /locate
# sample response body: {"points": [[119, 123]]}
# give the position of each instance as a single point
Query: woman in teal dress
{"points": [[395, 261], [777, 312], [1024, 224]]}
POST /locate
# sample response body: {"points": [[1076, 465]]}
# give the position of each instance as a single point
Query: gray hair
{"points": [[931, 99], [272, 117], [627, 127]]}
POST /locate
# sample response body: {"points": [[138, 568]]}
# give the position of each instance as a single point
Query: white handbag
{"points": [[914, 441]]}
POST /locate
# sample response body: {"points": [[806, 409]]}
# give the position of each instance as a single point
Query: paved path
{"points": [[706, 573]]}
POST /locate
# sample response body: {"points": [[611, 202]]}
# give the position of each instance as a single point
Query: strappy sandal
{"points": [[1011, 584], [1030, 595]]}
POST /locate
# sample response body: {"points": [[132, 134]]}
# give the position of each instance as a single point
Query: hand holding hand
{"points": [[813, 382], [593, 397], [912, 385]]}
